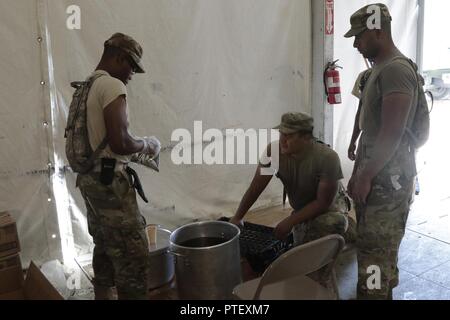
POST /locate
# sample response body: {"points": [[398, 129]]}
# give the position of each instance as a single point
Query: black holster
{"points": [[136, 183]]}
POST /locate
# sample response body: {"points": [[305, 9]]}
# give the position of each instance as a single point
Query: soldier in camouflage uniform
{"points": [[121, 253], [310, 172], [383, 177]]}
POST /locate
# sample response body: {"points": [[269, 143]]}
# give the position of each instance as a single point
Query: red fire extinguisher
{"points": [[332, 83]]}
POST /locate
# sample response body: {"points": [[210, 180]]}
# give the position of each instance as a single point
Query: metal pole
{"points": [[420, 34], [323, 47]]}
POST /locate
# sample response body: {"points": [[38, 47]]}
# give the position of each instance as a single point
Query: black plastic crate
{"points": [[259, 245]]}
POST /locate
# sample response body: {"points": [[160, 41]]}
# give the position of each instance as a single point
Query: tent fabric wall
{"points": [[26, 188], [404, 30], [230, 64]]}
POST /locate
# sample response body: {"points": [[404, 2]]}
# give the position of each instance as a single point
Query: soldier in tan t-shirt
{"points": [[121, 255], [383, 177], [310, 172]]}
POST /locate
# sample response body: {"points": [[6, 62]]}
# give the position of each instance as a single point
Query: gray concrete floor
{"points": [[424, 262]]}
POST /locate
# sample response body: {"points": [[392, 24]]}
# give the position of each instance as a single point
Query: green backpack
{"points": [[79, 153]]}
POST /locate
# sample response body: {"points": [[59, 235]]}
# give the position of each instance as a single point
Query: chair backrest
{"points": [[302, 260]]}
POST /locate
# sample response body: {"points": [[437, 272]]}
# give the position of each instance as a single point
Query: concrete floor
{"points": [[424, 263]]}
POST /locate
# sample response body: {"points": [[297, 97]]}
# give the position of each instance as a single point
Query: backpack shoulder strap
{"points": [[90, 81], [95, 77], [99, 149], [104, 142]]}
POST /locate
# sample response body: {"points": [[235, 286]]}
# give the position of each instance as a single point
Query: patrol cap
{"points": [[129, 46], [296, 122], [358, 20]]}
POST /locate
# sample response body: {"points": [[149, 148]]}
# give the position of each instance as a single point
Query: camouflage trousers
{"points": [[381, 226], [322, 226], [121, 254]]}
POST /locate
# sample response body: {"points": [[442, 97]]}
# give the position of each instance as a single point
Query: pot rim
{"points": [[164, 250], [176, 246]]}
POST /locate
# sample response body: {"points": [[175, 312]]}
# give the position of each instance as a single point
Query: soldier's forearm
{"points": [[247, 202], [130, 146], [311, 211]]}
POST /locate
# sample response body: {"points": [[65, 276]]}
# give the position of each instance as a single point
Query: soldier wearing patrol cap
{"points": [[121, 254], [310, 172], [384, 172], [371, 17]]}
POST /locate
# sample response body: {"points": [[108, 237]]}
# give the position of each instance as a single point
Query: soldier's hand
{"points": [[152, 146], [238, 222], [283, 229], [361, 189], [351, 152]]}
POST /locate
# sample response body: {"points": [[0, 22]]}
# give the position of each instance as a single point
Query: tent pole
{"points": [[420, 34], [323, 52]]}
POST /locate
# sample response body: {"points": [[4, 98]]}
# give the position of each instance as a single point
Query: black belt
{"points": [[136, 183]]}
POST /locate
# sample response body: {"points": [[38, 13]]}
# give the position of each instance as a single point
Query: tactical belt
{"points": [[120, 167]]}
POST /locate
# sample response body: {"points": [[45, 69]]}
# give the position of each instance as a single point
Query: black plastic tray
{"points": [[259, 245]]}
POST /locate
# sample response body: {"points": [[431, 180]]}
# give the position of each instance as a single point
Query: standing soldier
{"points": [[121, 254], [383, 177]]}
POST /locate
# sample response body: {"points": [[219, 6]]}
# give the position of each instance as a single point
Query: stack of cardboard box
{"points": [[11, 276], [12, 283]]}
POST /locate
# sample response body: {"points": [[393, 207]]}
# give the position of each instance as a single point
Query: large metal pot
{"points": [[162, 267], [207, 260]]}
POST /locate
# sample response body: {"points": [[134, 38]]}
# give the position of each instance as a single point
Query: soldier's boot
{"points": [[103, 293]]}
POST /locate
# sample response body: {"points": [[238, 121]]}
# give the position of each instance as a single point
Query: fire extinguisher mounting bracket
{"points": [[333, 65]]}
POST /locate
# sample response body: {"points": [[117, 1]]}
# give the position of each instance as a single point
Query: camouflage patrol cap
{"points": [[359, 19], [295, 122], [129, 46]]}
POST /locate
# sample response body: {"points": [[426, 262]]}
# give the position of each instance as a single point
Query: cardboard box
{"points": [[35, 286], [10, 262], [11, 274], [9, 239]]}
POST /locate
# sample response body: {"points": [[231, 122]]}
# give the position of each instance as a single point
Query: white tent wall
{"points": [[25, 135], [404, 30], [230, 64]]}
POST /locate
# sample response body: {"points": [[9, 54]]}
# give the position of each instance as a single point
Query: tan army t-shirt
{"points": [[301, 174], [104, 90], [387, 78]]}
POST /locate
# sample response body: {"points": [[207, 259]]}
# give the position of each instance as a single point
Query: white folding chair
{"points": [[286, 278]]}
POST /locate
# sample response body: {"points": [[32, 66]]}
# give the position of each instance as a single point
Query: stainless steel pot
{"points": [[162, 268], [207, 260]]}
